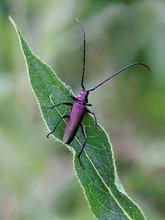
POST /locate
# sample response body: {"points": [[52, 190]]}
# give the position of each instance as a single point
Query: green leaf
{"points": [[99, 179]]}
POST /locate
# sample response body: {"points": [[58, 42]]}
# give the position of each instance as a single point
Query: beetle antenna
{"points": [[84, 48], [123, 69]]}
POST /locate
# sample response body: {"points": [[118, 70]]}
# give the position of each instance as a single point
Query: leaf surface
{"points": [[99, 178]]}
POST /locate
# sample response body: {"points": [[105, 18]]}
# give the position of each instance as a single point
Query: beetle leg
{"points": [[91, 112], [70, 89], [72, 96], [64, 103], [64, 116], [85, 136], [71, 93]]}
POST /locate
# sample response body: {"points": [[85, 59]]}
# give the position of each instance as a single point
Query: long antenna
{"points": [[123, 69], [84, 48]]}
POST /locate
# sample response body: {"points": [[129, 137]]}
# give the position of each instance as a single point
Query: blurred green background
{"points": [[37, 180]]}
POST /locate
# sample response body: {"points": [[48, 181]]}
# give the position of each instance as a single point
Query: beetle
{"points": [[80, 105]]}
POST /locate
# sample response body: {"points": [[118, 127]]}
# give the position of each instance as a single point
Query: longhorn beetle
{"points": [[80, 106]]}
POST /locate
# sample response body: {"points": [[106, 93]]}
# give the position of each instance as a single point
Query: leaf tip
{"points": [[14, 25], [11, 20]]}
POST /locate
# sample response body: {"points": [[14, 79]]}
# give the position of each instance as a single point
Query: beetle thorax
{"points": [[82, 98]]}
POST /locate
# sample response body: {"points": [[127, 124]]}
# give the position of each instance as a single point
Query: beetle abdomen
{"points": [[76, 115]]}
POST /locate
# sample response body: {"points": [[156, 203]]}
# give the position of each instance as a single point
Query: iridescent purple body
{"points": [[75, 117]]}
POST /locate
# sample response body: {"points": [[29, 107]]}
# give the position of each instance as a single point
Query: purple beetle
{"points": [[80, 106]]}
